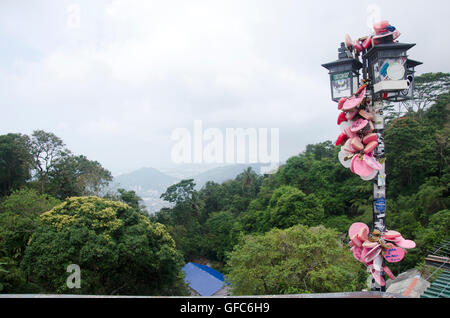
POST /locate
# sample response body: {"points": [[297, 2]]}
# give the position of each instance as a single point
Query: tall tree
{"points": [[77, 176], [428, 87], [181, 192], [46, 149], [133, 200], [15, 162], [184, 196]]}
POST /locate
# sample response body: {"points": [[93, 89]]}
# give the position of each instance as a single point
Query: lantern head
{"points": [[388, 67], [344, 74]]}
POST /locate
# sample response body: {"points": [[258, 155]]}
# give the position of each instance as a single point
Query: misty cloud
{"points": [[117, 84]]}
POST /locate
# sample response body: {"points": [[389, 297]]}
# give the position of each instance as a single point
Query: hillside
{"points": [[150, 183], [224, 173]]}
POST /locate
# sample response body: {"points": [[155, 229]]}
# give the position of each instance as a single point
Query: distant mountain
{"points": [[145, 179], [224, 173], [188, 170], [150, 183]]}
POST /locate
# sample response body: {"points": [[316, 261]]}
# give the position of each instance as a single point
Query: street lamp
{"points": [[388, 75], [387, 67], [344, 74]]}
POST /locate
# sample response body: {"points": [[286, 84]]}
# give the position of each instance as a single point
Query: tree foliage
{"points": [[220, 235], [42, 161], [290, 206], [46, 149], [428, 88], [15, 162], [77, 176], [19, 218], [118, 250], [294, 260]]}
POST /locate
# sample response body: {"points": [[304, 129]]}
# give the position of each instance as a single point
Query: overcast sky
{"points": [[114, 79]]}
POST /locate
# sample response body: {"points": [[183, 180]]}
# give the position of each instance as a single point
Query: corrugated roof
{"points": [[440, 287], [211, 271], [203, 279]]}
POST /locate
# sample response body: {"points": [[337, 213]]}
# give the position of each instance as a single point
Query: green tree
{"points": [[318, 171], [119, 251], [189, 239], [12, 279], [180, 193], [410, 148], [19, 218], [182, 220], [186, 199], [15, 162], [249, 183], [213, 196], [220, 236], [131, 198], [77, 176], [255, 220], [294, 260], [290, 206], [438, 116], [341, 223], [428, 88], [46, 149]]}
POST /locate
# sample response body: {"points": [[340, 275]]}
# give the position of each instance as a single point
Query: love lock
{"points": [[371, 248], [357, 139]]}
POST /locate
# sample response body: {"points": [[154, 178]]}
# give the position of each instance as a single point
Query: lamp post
{"points": [[388, 75]]}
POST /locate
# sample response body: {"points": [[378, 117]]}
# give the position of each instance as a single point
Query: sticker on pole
{"points": [[380, 204]]}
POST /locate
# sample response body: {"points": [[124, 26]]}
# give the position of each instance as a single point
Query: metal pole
{"points": [[379, 183]]}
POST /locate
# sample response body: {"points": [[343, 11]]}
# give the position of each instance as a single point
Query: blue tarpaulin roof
{"points": [[203, 279]]}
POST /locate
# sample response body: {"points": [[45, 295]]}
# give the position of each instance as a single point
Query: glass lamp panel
{"points": [[389, 69], [341, 84]]}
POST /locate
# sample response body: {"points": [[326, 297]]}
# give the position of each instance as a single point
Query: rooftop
{"points": [[203, 279]]}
